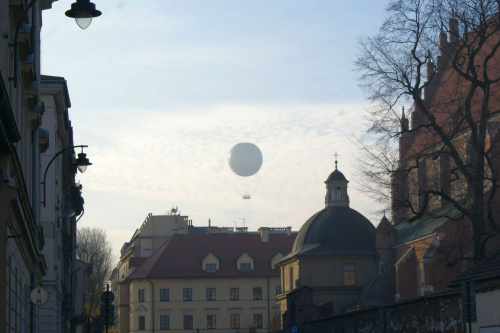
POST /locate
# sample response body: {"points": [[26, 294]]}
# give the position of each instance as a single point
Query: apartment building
{"points": [[204, 278]]}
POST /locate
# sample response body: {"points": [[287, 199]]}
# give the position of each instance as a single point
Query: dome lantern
{"points": [[336, 189]]}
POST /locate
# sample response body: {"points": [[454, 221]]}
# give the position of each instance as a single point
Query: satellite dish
{"points": [[245, 159]]}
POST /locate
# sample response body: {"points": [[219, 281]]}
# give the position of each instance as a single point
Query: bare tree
{"points": [[95, 249], [442, 163]]}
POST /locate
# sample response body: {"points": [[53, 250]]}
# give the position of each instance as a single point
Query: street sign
{"points": [[294, 329], [107, 297], [108, 314], [468, 298], [39, 296]]}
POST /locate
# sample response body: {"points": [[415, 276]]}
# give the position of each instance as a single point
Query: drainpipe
{"points": [[268, 309], [34, 139], [152, 306], [34, 203]]}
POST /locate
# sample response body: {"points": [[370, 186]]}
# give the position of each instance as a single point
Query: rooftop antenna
{"points": [[243, 222]]}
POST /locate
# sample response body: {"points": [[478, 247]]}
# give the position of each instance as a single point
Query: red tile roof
{"points": [[182, 255]]}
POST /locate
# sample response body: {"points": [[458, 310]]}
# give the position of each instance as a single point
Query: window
{"points": [[211, 322], [338, 194], [414, 189], [234, 321], [164, 295], [165, 322], [187, 294], [142, 323], [257, 293], [188, 322], [245, 267], [210, 268], [142, 295], [258, 320], [349, 275], [290, 281], [234, 294], [211, 294]]}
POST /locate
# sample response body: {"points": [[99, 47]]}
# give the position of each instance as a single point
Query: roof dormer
{"points": [[210, 264], [245, 263]]}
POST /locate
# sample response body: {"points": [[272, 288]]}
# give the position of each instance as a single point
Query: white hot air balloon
{"points": [[245, 160]]}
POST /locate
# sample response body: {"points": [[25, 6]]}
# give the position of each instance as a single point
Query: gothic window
{"points": [[434, 181], [413, 188]]}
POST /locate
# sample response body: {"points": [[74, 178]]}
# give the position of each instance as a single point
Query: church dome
{"points": [[337, 230], [379, 291]]}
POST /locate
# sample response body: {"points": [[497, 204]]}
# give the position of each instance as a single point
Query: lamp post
{"points": [[81, 163]]}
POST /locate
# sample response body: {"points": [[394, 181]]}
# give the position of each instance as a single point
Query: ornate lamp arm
{"points": [[52, 160]]}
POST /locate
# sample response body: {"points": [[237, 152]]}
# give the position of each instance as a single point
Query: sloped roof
{"points": [[182, 255], [424, 226], [385, 225], [488, 268]]}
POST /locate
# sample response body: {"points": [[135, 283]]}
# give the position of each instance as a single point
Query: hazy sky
{"points": [[161, 90]]}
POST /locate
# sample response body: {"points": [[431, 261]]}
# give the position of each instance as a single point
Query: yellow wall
{"points": [[199, 307]]}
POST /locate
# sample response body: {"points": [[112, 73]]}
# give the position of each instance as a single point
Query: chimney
{"points": [[289, 231], [264, 234]]}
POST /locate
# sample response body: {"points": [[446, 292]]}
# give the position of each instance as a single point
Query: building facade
{"points": [[153, 233], [28, 261], [199, 278], [444, 194], [221, 281], [61, 205], [21, 236]]}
